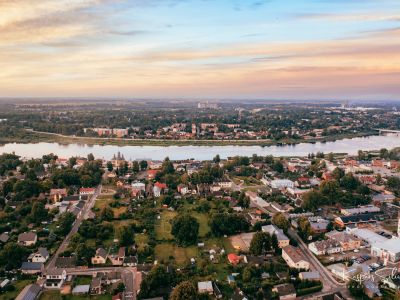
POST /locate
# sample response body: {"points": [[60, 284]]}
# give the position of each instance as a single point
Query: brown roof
{"points": [[294, 253]]}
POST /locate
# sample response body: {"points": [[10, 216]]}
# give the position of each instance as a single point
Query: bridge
{"points": [[388, 131]]}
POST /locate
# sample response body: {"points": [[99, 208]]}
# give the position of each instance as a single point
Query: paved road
{"points": [[81, 217], [329, 282]]}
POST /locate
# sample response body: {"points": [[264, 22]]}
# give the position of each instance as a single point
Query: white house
{"points": [[139, 186], [41, 256], [55, 278], [281, 184]]}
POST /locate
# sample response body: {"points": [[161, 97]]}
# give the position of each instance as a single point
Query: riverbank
{"points": [[37, 137]]}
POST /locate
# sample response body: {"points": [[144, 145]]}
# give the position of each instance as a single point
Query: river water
{"points": [[350, 146]]}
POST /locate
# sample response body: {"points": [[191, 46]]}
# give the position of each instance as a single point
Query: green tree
{"points": [[280, 220], [143, 165], [135, 167], [39, 212], [107, 214], [126, 236], [110, 166], [330, 189], [185, 290], [185, 229]]}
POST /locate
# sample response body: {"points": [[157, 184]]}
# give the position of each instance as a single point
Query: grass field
{"points": [[203, 222], [55, 295], [182, 256], [104, 201], [163, 226], [141, 240]]}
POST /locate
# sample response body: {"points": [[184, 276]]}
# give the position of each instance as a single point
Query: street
{"points": [[81, 217]]}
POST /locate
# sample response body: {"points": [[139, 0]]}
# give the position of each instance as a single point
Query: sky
{"points": [[201, 49]]}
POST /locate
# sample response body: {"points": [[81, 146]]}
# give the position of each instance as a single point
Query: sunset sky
{"points": [[271, 49]]}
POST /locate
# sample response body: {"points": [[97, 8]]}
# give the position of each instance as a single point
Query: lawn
{"points": [[55, 295], [203, 222], [82, 280], [182, 256], [19, 286], [141, 240], [104, 201], [163, 226]]}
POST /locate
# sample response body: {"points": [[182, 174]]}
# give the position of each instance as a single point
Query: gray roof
{"points": [[101, 252], [30, 292], [81, 289], [43, 252], [27, 265]]}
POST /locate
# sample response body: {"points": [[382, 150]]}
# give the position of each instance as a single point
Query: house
{"points": [[283, 240], [205, 287], [286, 291], [27, 238], [57, 194], [100, 257], [151, 174], [360, 210], [280, 184], [139, 186], [55, 278], [86, 191], [130, 261], [30, 292], [318, 225], [233, 259], [117, 259], [32, 268], [41, 256], [346, 241], [295, 258], [361, 220], [96, 286], [325, 247], [182, 189], [346, 273]]}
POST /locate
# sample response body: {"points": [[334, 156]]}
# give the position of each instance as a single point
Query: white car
{"points": [[356, 250]]}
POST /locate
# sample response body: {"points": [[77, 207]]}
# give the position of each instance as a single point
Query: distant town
{"points": [[205, 122]]}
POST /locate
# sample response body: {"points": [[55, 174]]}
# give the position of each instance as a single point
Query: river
{"points": [[350, 146]]}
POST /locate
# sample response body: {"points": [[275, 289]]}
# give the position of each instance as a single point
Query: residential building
{"points": [[205, 287], [32, 268], [295, 258], [100, 257], [55, 278], [286, 291], [283, 240], [361, 220], [346, 241], [360, 210], [312, 276], [41, 256], [27, 238], [56, 195], [325, 247], [86, 191]]}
